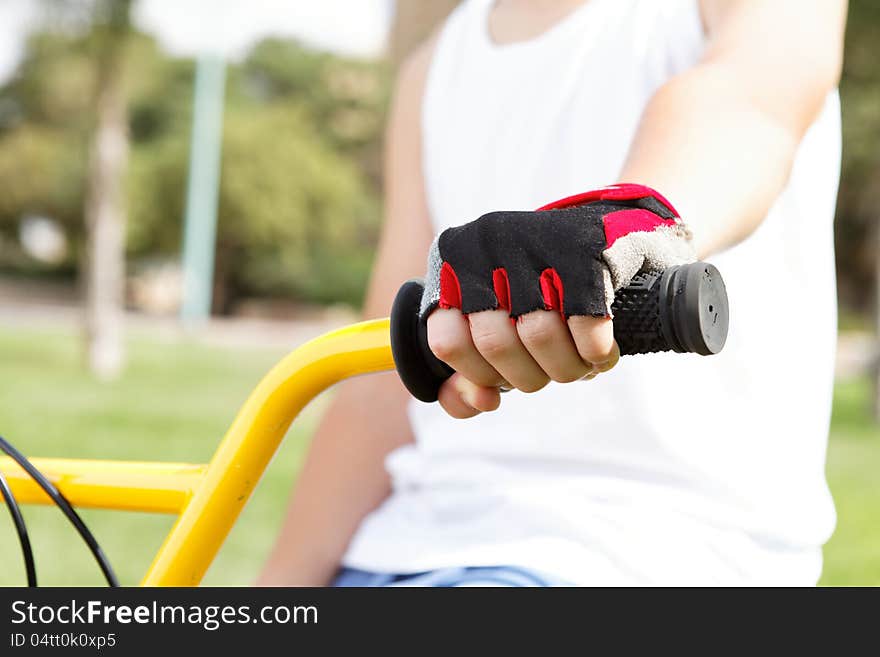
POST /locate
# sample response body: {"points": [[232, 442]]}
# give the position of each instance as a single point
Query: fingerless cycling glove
{"points": [[570, 255]]}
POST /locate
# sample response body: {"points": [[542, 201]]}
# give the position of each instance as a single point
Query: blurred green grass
{"points": [[176, 400], [852, 556]]}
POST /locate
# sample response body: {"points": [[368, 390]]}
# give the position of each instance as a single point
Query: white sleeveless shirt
{"points": [[669, 469]]}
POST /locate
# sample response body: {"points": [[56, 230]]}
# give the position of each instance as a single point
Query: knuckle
{"points": [[595, 342], [536, 330], [596, 350], [445, 346], [492, 343]]}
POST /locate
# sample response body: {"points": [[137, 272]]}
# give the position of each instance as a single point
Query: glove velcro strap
{"points": [[621, 192]]}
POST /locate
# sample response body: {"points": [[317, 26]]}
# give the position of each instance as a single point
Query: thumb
{"points": [[462, 398]]}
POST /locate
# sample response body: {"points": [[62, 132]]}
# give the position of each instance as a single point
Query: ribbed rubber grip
{"points": [[637, 325]]}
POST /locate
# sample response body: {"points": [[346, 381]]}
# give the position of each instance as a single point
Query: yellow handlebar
{"points": [[251, 441]]}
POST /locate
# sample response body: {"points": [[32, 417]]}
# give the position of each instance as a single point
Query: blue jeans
{"points": [[447, 577]]}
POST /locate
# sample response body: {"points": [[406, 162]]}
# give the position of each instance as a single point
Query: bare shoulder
{"points": [[413, 72], [801, 36], [785, 56]]}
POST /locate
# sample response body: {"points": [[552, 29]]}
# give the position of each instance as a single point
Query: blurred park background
{"points": [[190, 189]]}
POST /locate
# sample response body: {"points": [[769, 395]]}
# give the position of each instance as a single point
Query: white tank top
{"points": [[670, 469]]}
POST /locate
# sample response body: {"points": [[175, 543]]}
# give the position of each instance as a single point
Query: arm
{"points": [[721, 138], [344, 476]]}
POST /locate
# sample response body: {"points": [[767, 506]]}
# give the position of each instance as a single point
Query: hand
{"points": [[517, 299], [488, 351]]}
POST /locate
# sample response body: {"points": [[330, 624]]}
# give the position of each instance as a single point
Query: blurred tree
{"points": [[345, 99], [858, 229], [299, 211], [47, 115], [44, 120], [63, 145], [318, 169], [296, 218], [104, 265], [859, 199], [40, 174]]}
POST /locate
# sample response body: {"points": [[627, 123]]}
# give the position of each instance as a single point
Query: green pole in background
{"points": [[200, 224]]}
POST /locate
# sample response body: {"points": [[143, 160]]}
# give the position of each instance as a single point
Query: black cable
{"points": [[18, 520], [65, 507]]}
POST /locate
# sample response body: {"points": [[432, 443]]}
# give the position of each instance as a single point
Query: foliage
{"points": [[41, 172], [857, 236], [299, 208], [291, 210]]}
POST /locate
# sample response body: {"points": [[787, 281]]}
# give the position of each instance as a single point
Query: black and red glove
{"points": [[570, 255]]}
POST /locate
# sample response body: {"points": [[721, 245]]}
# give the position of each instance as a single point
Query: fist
{"points": [[518, 299]]}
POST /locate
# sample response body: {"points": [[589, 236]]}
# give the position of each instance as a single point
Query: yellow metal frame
{"points": [[208, 498]]}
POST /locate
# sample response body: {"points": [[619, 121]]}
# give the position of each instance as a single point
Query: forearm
{"points": [[720, 139], [719, 158], [342, 480]]}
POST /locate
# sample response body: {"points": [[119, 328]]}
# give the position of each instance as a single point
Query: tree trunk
{"points": [[414, 20], [105, 206]]}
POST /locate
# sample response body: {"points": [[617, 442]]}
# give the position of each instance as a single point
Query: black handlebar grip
{"points": [[682, 309]]}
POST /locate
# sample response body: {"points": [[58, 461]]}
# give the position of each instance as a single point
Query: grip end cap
{"points": [[420, 370], [697, 305]]}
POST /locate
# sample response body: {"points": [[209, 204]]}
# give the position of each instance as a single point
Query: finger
{"points": [[449, 338], [594, 339], [547, 338], [496, 339], [462, 399], [615, 356]]}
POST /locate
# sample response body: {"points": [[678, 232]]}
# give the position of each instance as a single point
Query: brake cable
{"points": [[21, 528], [61, 502]]}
